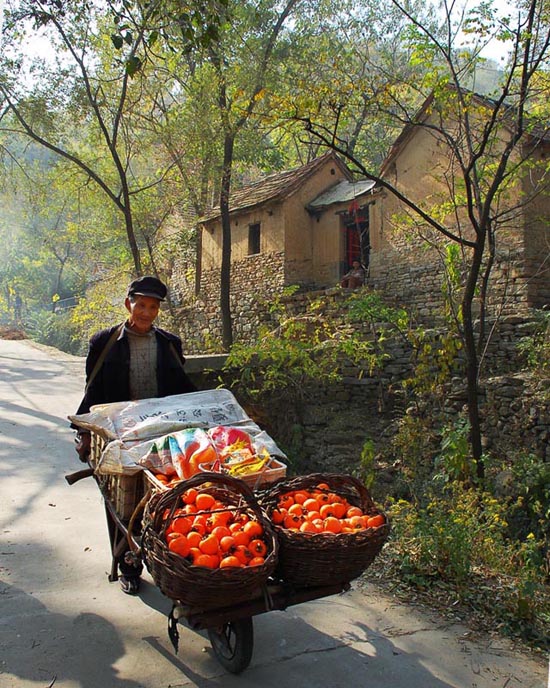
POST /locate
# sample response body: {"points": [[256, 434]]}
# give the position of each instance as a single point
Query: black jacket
{"points": [[112, 382]]}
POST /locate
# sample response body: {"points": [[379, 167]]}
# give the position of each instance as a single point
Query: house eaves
{"points": [[535, 133], [343, 192], [273, 188]]}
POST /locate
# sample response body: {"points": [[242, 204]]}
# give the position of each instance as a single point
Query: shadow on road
{"points": [[288, 651], [39, 645]]}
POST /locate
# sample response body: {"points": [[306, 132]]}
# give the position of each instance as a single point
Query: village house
{"points": [[407, 256], [305, 226], [301, 227]]}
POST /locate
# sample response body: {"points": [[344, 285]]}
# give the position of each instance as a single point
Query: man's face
{"points": [[143, 311]]}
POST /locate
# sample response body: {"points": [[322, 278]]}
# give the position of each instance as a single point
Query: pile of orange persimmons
{"points": [[318, 510], [209, 533]]}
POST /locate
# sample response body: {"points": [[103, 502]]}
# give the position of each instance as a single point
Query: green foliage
{"points": [[367, 465], [411, 450], [495, 538], [54, 329], [530, 509], [369, 307], [461, 537], [452, 284], [454, 462], [313, 346], [436, 358], [536, 348], [102, 306]]}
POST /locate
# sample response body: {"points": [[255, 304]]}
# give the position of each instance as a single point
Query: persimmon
{"points": [[323, 486], [241, 518], [230, 561], [235, 526], [194, 537], [180, 525], [297, 509], [179, 545], [172, 536], [312, 504], [243, 554], [220, 518], [308, 527], [204, 501], [286, 501], [258, 547], [241, 538], [256, 561], [190, 495], [292, 521], [326, 510], [227, 543], [322, 498], [354, 511], [253, 528], [194, 553], [209, 544], [376, 521], [332, 525], [278, 516], [300, 496], [338, 509], [190, 509], [355, 522], [220, 532], [199, 524], [209, 561]]}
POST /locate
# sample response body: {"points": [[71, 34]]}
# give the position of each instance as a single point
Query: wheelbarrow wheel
{"points": [[233, 644]]}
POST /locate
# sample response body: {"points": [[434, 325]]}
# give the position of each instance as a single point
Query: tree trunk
{"points": [[129, 224], [472, 362], [225, 277]]}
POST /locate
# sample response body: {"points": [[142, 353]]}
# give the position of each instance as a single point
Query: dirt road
{"points": [[63, 624]]}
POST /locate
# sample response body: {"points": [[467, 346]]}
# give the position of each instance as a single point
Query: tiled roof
{"points": [[273, 187], [342, 192]]}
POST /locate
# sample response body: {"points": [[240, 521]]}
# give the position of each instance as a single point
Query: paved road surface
{"points": [[63, 624]]}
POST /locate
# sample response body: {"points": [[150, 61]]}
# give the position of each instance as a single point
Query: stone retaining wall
{"points": [[329, 428], [255, 283]]}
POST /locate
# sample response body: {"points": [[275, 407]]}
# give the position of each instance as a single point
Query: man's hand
{"points": [[82, 445]]}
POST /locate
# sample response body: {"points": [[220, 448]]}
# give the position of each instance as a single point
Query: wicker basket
{"points": [[318, 559], [196, 586], [123, 491]]}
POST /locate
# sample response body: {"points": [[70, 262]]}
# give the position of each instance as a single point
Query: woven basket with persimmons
{"points": [[323, 558], [178, 577]]}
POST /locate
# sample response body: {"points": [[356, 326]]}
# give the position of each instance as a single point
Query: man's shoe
{"points": [[130, 584]]}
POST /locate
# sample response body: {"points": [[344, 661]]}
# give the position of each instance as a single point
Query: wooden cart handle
{"points": [[79, 475]]}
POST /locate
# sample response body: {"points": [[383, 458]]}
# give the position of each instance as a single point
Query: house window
{"points": [[253, 239]]}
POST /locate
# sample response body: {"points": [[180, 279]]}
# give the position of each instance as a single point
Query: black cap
{"points": [[147, 286]]}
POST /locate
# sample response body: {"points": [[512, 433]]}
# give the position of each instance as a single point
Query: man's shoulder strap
{"points": [[112, 339], [176, 356]]}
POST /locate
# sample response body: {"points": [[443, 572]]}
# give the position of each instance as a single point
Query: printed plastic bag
{"points": [[182, 453]]}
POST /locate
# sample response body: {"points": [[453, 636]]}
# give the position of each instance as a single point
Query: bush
{"points": [[462, 539], [54, 329]]}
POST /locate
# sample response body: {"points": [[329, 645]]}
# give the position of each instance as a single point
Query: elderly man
{"points": [[133, 360]]}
